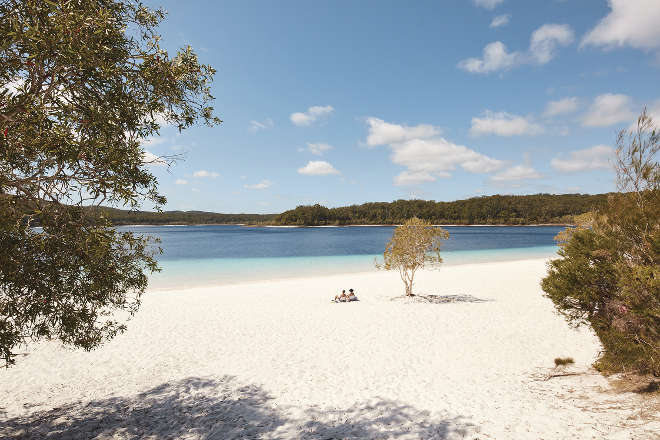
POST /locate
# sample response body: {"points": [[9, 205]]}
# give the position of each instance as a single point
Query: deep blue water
{"points": [[219, 254], [224, 241]]}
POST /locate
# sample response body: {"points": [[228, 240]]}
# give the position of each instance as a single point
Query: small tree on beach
{"points": [[83, 85], [608, 273], [413, 246]]}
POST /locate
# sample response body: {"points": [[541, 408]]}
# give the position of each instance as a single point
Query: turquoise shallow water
{"points": [[226, 254], [197, 272]]}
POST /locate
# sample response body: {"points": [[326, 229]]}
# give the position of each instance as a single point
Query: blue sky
{"points": [[343, 102]]}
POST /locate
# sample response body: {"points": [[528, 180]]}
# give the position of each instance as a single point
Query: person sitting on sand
{"points": [[342, 297], [351, 295]]}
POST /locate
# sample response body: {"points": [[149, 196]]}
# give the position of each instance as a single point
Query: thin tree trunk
{"points": [[409, 286]]}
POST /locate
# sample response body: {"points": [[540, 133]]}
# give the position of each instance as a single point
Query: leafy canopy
{"points": [[608, 273], [414, 245], [82, 84]]}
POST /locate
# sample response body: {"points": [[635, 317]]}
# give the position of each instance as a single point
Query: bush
{"points": [[560, 362], [608, 273]]}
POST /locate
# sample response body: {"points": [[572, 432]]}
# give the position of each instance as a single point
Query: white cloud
{"points": [[181, 182], [542, 48], [440, 156], [317, 148], [654, 112], [516, 173], [384, 133], [148, 158], [482, 164], [500, 20], [413, 178], [312, 114], [592, 158], [205, 174], [495, 58], [318, 168], [545, 40], [503, 124], [261, 185], [609, 109], [632, 23], [424, 155], [488, 4], [562, 106], [261, 125]]}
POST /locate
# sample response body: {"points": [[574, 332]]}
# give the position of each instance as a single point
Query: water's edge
{"points": [[190, 273]]}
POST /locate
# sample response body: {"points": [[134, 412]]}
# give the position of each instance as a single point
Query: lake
{"points": [[223, 254]]}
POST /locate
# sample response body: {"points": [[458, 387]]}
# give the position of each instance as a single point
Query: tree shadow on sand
{"points": [[191, 408], [198, 408], [384, 419], [440, 299]]}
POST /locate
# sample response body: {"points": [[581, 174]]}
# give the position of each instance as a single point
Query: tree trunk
{"points": [[409, 285], [409, 290]]}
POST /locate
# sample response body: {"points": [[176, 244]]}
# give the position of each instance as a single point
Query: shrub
{"points": [[608, 273], [560, 362]]}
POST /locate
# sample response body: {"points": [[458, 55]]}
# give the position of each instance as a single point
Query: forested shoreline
{"points": [[486, 210], [120, 217]]}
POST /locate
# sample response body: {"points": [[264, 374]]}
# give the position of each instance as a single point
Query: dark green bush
{"points": [[608, 273]]}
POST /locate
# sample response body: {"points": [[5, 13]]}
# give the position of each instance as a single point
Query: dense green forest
{"points": [[120, 217], [487, 210], [123, 217]]}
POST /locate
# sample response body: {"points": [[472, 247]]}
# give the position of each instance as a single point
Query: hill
{"points": [[486, 210]]}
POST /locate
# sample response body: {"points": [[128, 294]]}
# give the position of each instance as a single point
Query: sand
{"points": [[278, 360]]}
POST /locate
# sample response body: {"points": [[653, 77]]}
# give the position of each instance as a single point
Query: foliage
{"points": [[82, 84], [487, 210], [536, 209], [414, 245], [608, 275], [124, 217], [560, 362]]}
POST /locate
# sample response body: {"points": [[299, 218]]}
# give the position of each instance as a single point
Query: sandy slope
{"points": [[278, 360]]}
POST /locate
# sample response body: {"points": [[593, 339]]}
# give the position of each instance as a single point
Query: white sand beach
{"points": [[278, 360]]}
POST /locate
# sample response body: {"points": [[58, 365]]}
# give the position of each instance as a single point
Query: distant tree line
{"points": [[120, 217], [124, 217], [487, 210]]}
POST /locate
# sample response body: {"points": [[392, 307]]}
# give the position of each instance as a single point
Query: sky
{"points": [[345, 102]]}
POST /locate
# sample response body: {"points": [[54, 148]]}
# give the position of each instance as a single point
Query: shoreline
{"points": [[332, 274], [247, 225]]}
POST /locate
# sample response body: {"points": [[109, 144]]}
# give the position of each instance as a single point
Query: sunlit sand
{"points": [[278, 360]]}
